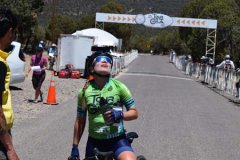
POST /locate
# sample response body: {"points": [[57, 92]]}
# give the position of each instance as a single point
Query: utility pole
{"points": [[53, 21]]}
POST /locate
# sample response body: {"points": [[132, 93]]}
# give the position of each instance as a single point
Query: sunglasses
{"points": [[103, 59]]}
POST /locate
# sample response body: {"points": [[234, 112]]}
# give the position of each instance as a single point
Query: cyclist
{"points": [[103, 99], [227, 64]]}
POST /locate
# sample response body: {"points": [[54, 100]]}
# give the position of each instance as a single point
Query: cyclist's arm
{"points": [[131, 114], [80, 120], [78, 129]]}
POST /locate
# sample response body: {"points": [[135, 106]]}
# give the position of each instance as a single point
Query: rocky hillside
{"points": [[76, 8]]}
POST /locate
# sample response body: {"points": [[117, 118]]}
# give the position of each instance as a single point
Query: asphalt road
{"points": [[180, 119]]}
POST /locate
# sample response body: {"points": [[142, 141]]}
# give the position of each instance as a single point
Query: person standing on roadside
{"points": [[237, 84], [43, 44], [52, 55], [8, 24], [103, 98], [228, 66], [38, 64]]}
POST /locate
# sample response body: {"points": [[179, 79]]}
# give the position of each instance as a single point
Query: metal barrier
{"points": [[121, 61], [221, 79], [116, 65], [129, 57]]}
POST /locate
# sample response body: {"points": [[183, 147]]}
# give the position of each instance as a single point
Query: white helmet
{"points": [[54, 45], [203, 57], [227, 56]]}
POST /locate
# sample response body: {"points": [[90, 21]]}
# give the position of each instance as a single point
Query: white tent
{"points": [[102, 38]]}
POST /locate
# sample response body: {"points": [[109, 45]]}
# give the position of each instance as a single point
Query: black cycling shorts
{"points": [[37, 79], [117, 145]]}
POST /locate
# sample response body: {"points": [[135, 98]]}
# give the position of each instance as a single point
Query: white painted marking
{"points": [[154, 75]]}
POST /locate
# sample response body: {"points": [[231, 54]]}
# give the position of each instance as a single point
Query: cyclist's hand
{"points": [[113, 116], [74, 153], [116, 115], [107, 117]]}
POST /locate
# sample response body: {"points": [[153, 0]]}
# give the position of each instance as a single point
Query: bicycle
{"points": [[98, 155]]}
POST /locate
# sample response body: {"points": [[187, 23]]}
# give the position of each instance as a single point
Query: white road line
{"points": [[154, 75]]}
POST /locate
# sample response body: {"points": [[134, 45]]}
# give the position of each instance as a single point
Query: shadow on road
{"points": [[15, 88]]}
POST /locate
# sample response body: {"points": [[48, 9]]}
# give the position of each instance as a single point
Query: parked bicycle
{"points": [[98, 155]]}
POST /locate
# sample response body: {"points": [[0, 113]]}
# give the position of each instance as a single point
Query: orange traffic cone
{"points": [[51, 100]]}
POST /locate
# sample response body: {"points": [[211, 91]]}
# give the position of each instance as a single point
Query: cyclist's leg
{"points": [[123, 150], [89, 148], [101, 145], [126, 155]]}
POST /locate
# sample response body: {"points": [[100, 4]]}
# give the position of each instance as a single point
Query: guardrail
{"points": [[129, 57], [121, 61], [224, 80]]}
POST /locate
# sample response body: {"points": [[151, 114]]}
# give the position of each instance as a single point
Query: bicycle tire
{"points": [[141, 157]]}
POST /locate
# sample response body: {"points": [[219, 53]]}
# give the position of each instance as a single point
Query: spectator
{"points": [[238, 79], [189, 65], [43, 44], [52, 55], [228, 67], [226, 64], [52, 51], [203, 68], [151, 51], [8, 25], [172, 55], [38, 65]]}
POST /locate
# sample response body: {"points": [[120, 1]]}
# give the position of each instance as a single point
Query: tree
{"points": [[64, 25], [121, 31], [87, 21], [141, 43], [227, 14], [27, 12]]}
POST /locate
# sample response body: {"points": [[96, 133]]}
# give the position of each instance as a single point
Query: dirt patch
{"points": [[66, 89]]}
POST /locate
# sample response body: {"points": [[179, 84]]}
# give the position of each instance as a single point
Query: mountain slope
{"points": [[77, 8]]}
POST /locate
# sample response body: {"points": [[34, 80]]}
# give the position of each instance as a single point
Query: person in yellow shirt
{"points": [[8, 25]]}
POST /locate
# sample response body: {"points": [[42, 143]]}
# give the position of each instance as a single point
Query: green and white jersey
{"points": [[117, 96]]}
